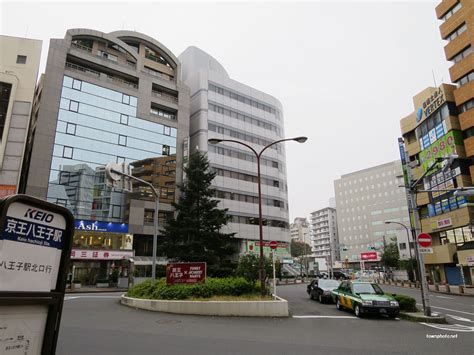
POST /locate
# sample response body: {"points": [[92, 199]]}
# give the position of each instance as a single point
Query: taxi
{"points": [[364, 298]]}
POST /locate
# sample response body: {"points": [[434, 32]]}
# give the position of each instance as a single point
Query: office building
{"points": [[431, 131], [19, 65], [299, 230], [107, 98], [365, 199], [324, 235], [227, 109]]}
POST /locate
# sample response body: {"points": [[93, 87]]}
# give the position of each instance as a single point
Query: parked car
{"points": [[364, 298], [321, 289], [339, 275]]}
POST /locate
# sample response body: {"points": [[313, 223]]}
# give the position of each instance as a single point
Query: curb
{"points": [[434, 291], [420, 317], [104, 290]]}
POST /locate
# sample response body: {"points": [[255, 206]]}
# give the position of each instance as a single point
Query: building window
{"points": [[452, 11], [126, 99], [167, 131], [77, 84], [5, 92], [120, 160], [21, 59], [68, 152], [465, 79], [463, 54], [166, 150], [456, 32], [122, 140], [124, 119], [402, 246], [71, 129], [73, 106]]}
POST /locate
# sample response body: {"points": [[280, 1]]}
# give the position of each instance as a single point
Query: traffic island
{"points": [[273, 308], [420, 317]]}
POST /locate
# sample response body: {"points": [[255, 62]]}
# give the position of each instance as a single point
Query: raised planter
{"points": [[102, 284], [77, 285], [277, 308]]}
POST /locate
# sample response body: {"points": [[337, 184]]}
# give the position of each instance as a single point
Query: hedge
{"points": [[230, 286], [407, 303]]}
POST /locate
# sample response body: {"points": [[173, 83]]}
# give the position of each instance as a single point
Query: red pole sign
{"points": [[273, 244], [424, 240]]}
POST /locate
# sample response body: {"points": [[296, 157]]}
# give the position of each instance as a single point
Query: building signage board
{"points": [[443, 147], [31, 244], [35, 242], [426, 250], [281, 249], [7, 190], [371, 255], [470, 260], [99, 226], [101, 254], [431, 104], [185, 273]]}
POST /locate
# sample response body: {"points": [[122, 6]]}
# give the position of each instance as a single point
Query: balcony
{"points": [[106, 56], [157, 74], [442, 254], [164, 96], [101, 76]]}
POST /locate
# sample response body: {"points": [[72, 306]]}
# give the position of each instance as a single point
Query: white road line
{"points": [[448, 309], [461, 319], [334, 317], [74, 297], [450, 298], [450, 327]]}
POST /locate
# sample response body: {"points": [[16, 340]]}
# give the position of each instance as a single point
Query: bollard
{"points": [[448, 289], [461, 289], [436, 287]]}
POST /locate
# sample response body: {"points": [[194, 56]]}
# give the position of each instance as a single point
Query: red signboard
{"points": [[371, 255], [273, 244], [424, 240], [185, 273]]}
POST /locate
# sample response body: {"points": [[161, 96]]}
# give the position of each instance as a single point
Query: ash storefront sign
{"points": [[35, 242], [185, 273]]}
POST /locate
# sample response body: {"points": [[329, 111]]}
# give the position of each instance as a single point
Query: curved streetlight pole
{"points": [[409, 247], [258, 155]]}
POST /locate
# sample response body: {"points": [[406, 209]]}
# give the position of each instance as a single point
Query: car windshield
{"points": [[328, 283], [367, 289]]}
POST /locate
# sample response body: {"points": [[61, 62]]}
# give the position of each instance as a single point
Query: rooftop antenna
{"points": [[26, 32], [434, 79]]}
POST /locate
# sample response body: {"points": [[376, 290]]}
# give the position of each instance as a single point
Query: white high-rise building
{"points": [[227, 109], [365, 199], [324, 236], [299, 230]]}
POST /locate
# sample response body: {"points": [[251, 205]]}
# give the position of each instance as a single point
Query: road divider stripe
{"points": [[448, 309], [334, 317]]}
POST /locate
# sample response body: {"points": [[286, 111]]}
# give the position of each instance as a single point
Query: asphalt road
{"points": [[98, 324]]}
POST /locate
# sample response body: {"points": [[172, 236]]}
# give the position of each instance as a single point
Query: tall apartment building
{"points": [[299, 230], [365, 199], [19, 65], [227, 109], [107, 98], [324, 235]]}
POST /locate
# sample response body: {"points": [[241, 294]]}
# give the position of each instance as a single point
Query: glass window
{"points": [[166, 150], [166, 130], [21, 59], [122, 140], [120, 160], [68, 152], [73, 106], [77, 84], [124, 119], [71, 128], [125, 99]]}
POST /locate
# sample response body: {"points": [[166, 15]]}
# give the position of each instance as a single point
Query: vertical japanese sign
{"points": [[31, 243]]}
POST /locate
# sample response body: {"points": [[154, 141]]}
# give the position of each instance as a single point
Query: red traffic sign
{"points": [[424, 240], [273, 244]]}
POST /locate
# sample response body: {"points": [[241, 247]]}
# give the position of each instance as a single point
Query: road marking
{"points": [[448, 309], [450, 327], [461, 319], [74, 297], [450, 298], [334, 317]]}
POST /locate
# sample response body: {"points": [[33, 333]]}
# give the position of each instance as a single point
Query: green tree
{"points": [[391, 256], [249, 264], [299, 248], [195, 234]]}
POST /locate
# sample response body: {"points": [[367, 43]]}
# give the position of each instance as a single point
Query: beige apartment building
{"points": [[19, 64]]}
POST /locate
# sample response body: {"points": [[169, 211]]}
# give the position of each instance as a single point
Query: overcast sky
{"points": [[345, 72]]}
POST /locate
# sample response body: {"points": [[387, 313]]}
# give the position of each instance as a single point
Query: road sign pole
{"points": [[274, 274]]}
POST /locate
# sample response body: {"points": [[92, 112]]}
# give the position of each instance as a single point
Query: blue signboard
{"points": [[431, 210], [439, 130], [98, 226]]}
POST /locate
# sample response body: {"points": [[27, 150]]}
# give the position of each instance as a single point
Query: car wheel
{"points": [[320, 298], [311, 296], [357, 311], [338, 305]]}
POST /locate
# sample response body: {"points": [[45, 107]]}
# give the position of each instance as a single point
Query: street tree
{"points": [[196, 232], [299, 248], [248, 266], [391, 255]]}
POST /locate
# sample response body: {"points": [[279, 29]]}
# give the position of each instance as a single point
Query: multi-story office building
{"points": [[107, 98], [365, 199], [299, 230], [19, 64], [226, 109], [324, 235], [433, 130]]}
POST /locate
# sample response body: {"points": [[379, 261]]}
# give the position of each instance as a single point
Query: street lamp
{"points": [[409, 247], [260, 225]]}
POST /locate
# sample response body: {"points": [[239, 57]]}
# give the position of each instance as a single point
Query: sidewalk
{"points": [[96, 290]]}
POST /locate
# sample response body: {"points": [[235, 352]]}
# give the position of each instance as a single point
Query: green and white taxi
{"points": [[364, 298]]}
